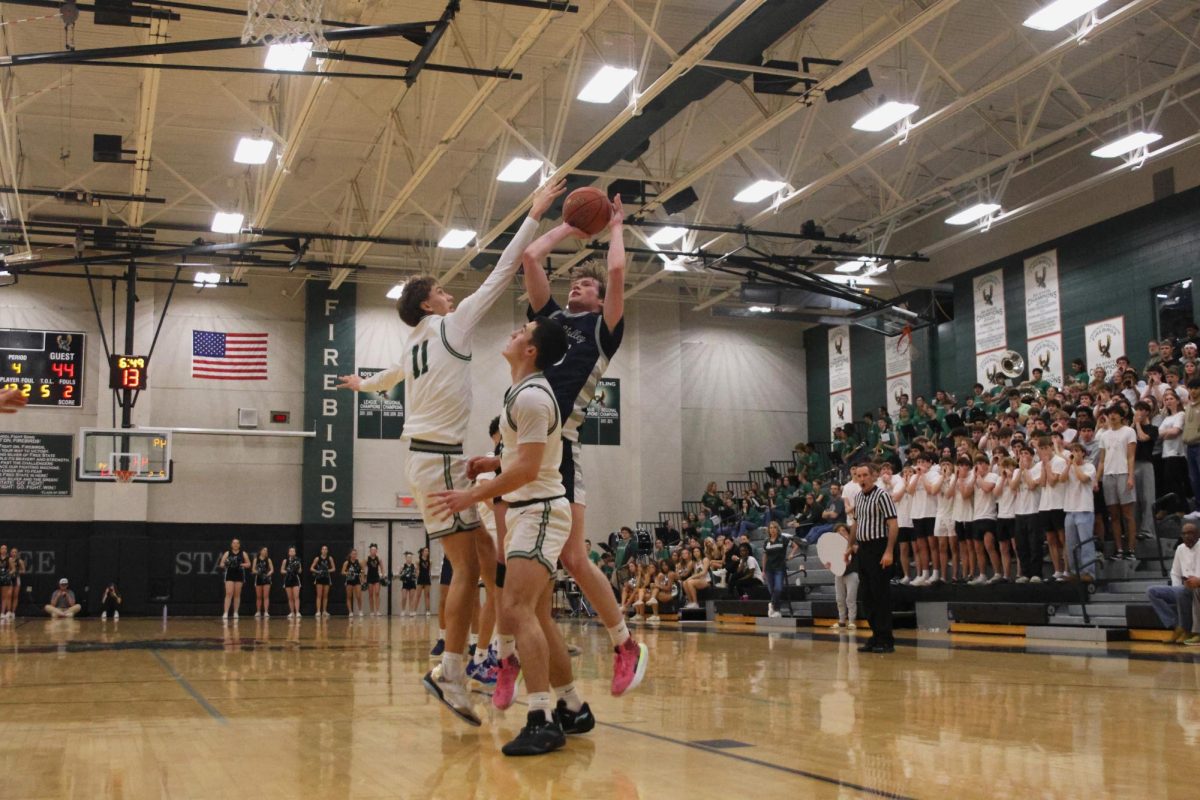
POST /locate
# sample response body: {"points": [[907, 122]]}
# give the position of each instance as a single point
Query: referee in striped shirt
{"points": [[873, 537]]}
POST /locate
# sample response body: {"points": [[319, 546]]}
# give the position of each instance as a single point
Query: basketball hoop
{"points": [[284, 22], [123, 475], [904, 344]]}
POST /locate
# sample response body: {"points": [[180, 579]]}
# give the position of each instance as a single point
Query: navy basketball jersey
{"points": [[591, 346]]}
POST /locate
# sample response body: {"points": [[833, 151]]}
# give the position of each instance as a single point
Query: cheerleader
{"points": [[234, 563], [6, 585], [321, 568], [374, 577], [424, 579], [408, 586], [263, 570], [292, 567], [352, 572], [17, 567]]}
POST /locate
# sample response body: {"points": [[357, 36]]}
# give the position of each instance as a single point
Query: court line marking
{"points": [[187, 687], [816, 776]]}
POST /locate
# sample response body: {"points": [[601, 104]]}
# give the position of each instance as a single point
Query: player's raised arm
{"points": [[379, 382], [537, 283], [614, 297], [462, 321]]}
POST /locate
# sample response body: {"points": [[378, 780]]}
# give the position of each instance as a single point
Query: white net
{"points": [[284, 22]]}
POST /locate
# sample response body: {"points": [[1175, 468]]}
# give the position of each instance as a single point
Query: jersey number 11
{"points": [[420, 356]]}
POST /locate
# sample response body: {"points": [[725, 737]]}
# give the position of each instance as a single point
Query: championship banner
{"points": [[839, 358], [1105, 343], [1046, 353], [990, 331], [380, 414], [897, 386], [987, 367], [327, 477], [841, 410], [602, 418], [1041, 295], [897, 355]]}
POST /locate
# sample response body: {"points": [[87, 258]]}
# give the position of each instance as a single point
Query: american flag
{"points": [[229, 356]]}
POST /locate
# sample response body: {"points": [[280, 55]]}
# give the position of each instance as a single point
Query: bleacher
{"points": [[1113, 607]]}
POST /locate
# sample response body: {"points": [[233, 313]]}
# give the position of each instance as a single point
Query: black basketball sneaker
{"points": [[574, 722], [539, 736]]}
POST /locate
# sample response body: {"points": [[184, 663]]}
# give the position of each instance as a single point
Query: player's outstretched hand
{"points": [[545, 195], [618, 214], [477, 465], [11, 401], [443, 504], [351, 382]]}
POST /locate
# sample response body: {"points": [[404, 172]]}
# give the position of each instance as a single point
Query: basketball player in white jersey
{"points": [[594, 320], [538, 520], [436, 372]]}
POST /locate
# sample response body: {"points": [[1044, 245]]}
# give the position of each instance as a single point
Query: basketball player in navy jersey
{"points": [[595, 322]]}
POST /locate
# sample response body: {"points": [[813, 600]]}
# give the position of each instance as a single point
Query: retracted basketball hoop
{"points": [[284, 22]]}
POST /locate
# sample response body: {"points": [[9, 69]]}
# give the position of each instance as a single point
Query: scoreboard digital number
{"points": [[45, 366], [128, 372]]}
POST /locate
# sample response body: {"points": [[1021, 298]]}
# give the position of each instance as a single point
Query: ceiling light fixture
{"points": [[884, 116], [456, 239], [206, 280], [226, 222], [1127, 144], [1060, 12], [758, 191], [252, 151], [973, 214], [606, 84], [290, 57], [395, 292], [854, 266], [667, 235], [519, 170], [759, 309]]}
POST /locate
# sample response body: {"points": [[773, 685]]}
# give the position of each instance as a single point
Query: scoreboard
{"points": [[45, 366]]}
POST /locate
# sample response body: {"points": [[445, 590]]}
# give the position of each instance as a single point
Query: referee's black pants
{"points": [[875, 589]]}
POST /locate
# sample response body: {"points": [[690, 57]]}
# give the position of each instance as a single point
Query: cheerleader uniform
{"points": [[291, 572], [423, 578], [353, 572], [372, 569], [321, 573], [234, 571], [261, 568], [408, 577]]}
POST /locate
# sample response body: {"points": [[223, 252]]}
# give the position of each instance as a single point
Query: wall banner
{"points": [[1041, 295], [897, 386], [841, 410], [990, 332], [602, 418], [987, 368], [327, 482], [380, 414], [1046, 354], [1105, 342], [839, 358], [897, 355]]}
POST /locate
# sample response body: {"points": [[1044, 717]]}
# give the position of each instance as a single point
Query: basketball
{"points": [[587, 209]]}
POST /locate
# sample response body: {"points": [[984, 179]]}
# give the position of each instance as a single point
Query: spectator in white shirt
{"points": [[1117, 444], [962, 512], [1080, 514], [983, 520], [1050, 473], [1174, 456], [1028, 529], [1006, 522], [1176, 604]]}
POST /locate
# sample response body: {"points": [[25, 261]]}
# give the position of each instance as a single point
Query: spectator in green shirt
{"points": [[1037, 381], [705, 525], [711, 498], [592, 554]]}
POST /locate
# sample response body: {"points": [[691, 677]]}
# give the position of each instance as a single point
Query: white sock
{"points": [[441, 633], [472, 639], [452, 666], [619, 634], [480, 655], [507, 647], [540, 701], [569, 696]]}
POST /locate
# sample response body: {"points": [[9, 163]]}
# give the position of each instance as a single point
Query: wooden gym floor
{"points": [[194, 710]]}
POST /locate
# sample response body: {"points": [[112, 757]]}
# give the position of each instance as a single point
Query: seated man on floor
{"points": [[1175, 604], [62, 602]]}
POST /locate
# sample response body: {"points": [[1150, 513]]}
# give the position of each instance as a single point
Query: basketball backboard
{"points": [[142, 454]]}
